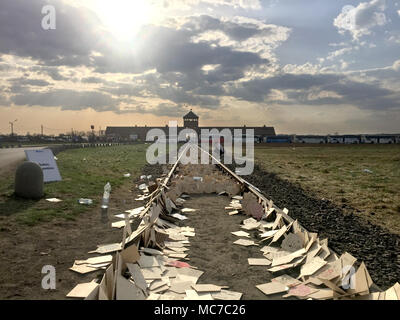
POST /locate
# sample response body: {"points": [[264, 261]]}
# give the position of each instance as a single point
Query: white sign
{"points": [[45, 159]]}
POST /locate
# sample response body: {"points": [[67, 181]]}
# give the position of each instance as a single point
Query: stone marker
{"points": [[29, 181]]}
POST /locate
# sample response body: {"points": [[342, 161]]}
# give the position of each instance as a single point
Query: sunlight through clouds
{"points": [[147, 60]]}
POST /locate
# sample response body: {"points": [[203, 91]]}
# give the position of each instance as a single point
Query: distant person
{"points": [[219, 149]]}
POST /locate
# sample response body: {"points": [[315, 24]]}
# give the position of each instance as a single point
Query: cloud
{"points": [[67, 99], [156, 86], [122, 89], [258, 89], [79, 42], [396, 65], [317, 89], [75, 37], [52, 72], [179, 62], [359, 21], [160, 110], [200, 60], [307, 68], [5, 67], [3, 99], [169, 110], [235, 31], [167, 49], [189, 4], [340, 52], [180, 96], [92, 80], [240, 33], [30, 82]]}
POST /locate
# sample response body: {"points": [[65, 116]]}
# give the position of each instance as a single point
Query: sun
{"points": [[124, 18]]}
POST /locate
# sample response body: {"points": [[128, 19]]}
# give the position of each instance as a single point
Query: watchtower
{"points": [[191, 120]]}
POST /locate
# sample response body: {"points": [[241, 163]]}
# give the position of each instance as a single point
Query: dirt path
{"points": [[25, 250], [10, 158], [212, 249]]}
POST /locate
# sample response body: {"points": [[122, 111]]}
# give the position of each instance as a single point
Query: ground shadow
{"points": [[12, 204]]}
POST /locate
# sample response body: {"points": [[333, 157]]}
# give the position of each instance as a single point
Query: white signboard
{"points": [[45, 159]]}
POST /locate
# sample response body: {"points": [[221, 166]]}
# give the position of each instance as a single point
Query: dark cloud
{"points": [[178, 61], [92, 80], [209, 89], [52, 72], [257, 90], [236, 31], [75, 37], [67, 99], [299, 87], [30, 82], [152, 88], [178, 95], [365, 95], [176, 87], [171, 50], [169, 110]]}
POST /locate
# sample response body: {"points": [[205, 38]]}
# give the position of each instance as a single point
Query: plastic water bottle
{"points": [[106, 194], [104, 205]]}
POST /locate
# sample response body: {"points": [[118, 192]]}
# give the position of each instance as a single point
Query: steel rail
{"points": [[258, 194], [156, 193], [242, 181], [250, 187]]}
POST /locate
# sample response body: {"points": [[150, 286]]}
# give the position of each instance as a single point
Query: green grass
{"points": [[84, 173], [337, 174]]}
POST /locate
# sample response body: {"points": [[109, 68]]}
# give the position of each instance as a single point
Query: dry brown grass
{"points": [[338, 174]]}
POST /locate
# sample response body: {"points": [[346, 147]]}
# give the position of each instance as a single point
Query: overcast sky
{"points": [[305, 67]]}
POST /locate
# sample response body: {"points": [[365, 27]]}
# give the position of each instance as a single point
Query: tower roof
{"points": [[190, 115]]}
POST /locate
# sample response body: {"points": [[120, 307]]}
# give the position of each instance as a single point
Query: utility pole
{"points": [[12, 126], [41, 130]]}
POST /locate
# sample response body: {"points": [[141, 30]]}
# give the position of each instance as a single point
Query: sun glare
{"points": [[124, 18]]}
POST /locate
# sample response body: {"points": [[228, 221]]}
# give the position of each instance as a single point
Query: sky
{"points": [[304, 67]]}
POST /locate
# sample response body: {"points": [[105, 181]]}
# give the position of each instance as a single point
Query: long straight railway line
{"points": [[160, 225]]}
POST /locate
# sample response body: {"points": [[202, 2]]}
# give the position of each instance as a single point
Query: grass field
{"points": [[84, 173], [336, 173], [365, 177]]}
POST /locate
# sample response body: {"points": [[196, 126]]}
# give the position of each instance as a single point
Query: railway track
{"points": [[151, 262]]}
